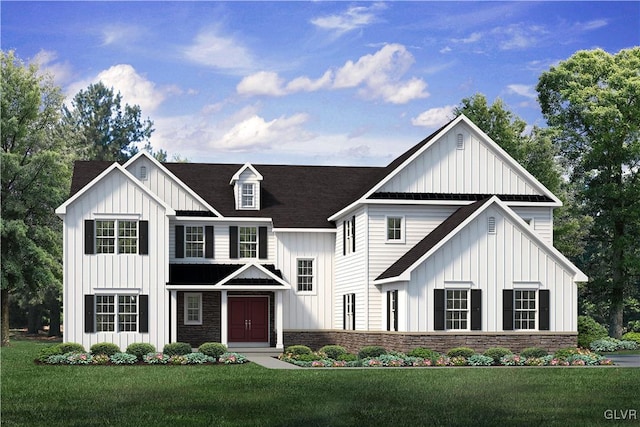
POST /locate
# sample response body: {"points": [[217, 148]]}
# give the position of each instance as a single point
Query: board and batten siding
{"points": [[114, 197], [542, 220], [508, 259], [307, 310], [476, 168], [164, 186], [351, 270]]}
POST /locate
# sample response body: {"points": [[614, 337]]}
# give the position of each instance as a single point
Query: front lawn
{"points": [[246, 395]]}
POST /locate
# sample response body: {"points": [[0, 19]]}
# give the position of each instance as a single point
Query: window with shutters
{"points": [[524, 309], [192, 308], [116, 313], [193, 241], [125, 239], [457, 309], [105, 237], [248, 242]]}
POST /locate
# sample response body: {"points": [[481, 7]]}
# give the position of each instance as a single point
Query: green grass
{"points": [[249, 395]]}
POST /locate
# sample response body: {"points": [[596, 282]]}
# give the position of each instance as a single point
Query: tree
{"points": [[35, 180], [102, 127], [592, 100]]}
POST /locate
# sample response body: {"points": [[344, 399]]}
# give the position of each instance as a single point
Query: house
{"points": [[451, 244]]}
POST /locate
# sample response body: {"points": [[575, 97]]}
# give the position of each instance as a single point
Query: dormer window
{"points": [[248, 196]]}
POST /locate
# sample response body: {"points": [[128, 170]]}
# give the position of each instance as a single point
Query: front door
{"points": [[248, 319]]}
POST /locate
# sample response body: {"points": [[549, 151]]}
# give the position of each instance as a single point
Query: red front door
{"points": [[248, 319]]}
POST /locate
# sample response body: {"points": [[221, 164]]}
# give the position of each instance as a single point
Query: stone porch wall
{"points": [[441, 342]]}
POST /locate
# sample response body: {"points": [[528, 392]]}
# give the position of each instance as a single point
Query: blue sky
{"points": [[348, 83]]}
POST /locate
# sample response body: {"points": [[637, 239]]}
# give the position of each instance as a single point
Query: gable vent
{"points": [[460, 141], [143, 173], [491, 225]]}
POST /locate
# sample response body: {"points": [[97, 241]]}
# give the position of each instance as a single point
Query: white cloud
{"points": [[590, 25], [519, 36], [134, 88], [216, 51], [473, 38], [119, 33], [445, 49], [378, 76], [46, 61], [353, 18], [523, 90], [434, 117], [255, 132]]}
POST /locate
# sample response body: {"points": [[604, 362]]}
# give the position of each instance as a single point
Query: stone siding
{"points": [[442, 342], [209, 331]]}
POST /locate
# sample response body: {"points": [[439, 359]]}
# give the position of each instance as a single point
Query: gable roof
{"points": [[402, 268], [94, 178], [225, 276], [236, 176]]}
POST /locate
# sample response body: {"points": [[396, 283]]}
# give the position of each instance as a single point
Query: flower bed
{"points": [[564, 357], [157, 358]]}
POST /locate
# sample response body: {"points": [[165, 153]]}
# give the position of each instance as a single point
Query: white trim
{"points": [[236, 176], [305, 230], [267, 273], [228, 219], [467, 310], [185, 307], [453, 203], [114, 291], [184, 186], [314, 281], [463, 284], [116, 216], [401, 240], [524, 285]]}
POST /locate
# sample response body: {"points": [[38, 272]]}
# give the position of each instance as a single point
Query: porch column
{"points": [[174, 316], [224, 318], [279, 321]]}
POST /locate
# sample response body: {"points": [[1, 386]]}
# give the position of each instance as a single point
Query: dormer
{"points": [[246, 188]]}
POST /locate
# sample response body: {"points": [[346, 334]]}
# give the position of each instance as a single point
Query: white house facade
{"points": [[450, 244]]}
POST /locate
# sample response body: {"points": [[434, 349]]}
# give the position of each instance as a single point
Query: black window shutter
{"points": [[179, 241], [344, 311], [395, 310], [262, 243], [543, 322], [143, 233], [476, 309], [353, 233], [143, 313], [389, 311], [507, 309], [438, 309], [233, 242], [89, 314], [89, 240], [344, 237], [353, 311], [208, 241]]}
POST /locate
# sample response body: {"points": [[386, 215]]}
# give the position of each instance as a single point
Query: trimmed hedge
{"points": [[371, 351], [106, 348], [465, 352], [333, 351], [213, 349], [140, 349], [177, 349], [497, 353], [533, 352], [298, 350], [424, 353]]}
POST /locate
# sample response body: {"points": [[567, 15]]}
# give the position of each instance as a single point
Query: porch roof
{"points": [[225, 276]]}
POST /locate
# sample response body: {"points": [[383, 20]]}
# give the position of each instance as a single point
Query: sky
{"points": [[308, 83]]}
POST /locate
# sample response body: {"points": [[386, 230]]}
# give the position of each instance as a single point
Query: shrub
{"points": [[78, 358], [533, 352], [106, 348], [333, 351], [178, 359], [198, 358], [46, 352], [348, 357], [154, 358], [100, 359], [589, 330], [123, 359], [632, 336], [177, 349], [56, 359], [70, 347], [605, 344], [565, 353], [213, 349], [480, 360], [511, 360], [371, 351], [297, 350], [424, 353], [459, 360], [307, 357], [497, 353], [535, 361], [634, 326], [461, 351], [139, 349], [628, 345]]}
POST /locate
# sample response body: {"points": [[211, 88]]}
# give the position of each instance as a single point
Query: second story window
{"points": [[248, 240], [394, 229], [126, 239], [194, 241], [248, 196]]}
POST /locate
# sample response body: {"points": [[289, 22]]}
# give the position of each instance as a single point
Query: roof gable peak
{"points": [[236, 176]]}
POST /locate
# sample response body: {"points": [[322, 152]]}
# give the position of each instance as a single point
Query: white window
{"points": [[127, 238], [524, 312], [349, 235], [247, 198], [125, 311], [457, 309], [350, 312], [248, 240], [392, 310], [194, 241], [192, 308], [305, 275], [395, 229]]}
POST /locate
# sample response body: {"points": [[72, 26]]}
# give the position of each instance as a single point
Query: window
{"points": [[105, 237], [457, 309], [305, 275], [350, 311], [194, 241], [248, 196], [392, 310], [525, 310], [394, 229], [193, 309], [125, 311], [349, 236], [127, 237], [248, 239]]}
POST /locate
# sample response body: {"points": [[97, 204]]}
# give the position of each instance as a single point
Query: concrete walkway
{"points": [[268, 361]]}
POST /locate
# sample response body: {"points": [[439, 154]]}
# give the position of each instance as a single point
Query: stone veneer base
{"points": [[438, 341]]}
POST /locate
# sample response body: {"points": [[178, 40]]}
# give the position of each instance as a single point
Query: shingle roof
{"points": [[459, 196], [431, 240]]}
